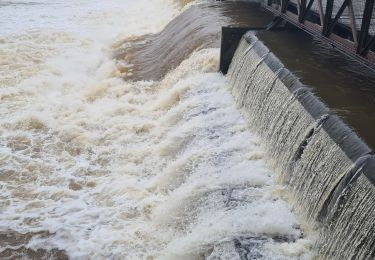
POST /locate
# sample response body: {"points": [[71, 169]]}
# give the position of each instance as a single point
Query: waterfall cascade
{"points": [[328, 168], [161, 165], [150, 57]]}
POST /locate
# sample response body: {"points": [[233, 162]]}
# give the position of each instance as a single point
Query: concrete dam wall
{"points": [[328, 168]]}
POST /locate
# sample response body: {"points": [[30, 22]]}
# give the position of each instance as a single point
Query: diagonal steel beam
{"points": [[328, 17], [337, 17], [302, 16], [353, 23], [321, 13], [284, 5], [368, 47], [366, 21], [302, 8]]}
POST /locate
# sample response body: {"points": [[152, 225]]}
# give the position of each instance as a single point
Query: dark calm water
{"points": [[345, 85]]}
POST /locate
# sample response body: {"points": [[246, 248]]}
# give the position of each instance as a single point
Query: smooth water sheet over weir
{"points": [[326, 165], [150, 57]]}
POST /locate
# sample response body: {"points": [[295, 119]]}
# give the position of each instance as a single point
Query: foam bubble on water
{"points": [[71, 39], [266, 218], [113, 169], [110, 179]]}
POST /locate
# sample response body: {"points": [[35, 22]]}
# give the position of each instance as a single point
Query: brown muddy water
{"points": [[95, 167], [16, 250], [71, 168]]}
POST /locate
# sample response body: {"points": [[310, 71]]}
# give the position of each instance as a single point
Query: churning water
{"points": [[329, 169], [94, 166]]}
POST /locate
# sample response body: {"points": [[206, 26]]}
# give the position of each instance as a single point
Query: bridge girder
{"points": [[327, 21]]}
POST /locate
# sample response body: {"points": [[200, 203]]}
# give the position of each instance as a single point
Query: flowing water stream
{"points": [[328, 168], [93, 166]]}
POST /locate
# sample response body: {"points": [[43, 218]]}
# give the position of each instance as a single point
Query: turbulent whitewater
{"points": [[94, 166], [326, 165]]}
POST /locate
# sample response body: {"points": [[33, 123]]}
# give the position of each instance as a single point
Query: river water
{"points": [[93, 166]]}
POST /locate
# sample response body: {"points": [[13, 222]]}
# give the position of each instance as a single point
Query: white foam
{"points": [[115, 169]]}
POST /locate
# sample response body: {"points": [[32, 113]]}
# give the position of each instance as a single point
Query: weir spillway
{"points": [[198, 27], [126, 142], [329, 169]]}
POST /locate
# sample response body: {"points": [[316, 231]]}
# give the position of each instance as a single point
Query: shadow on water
{"points": [[150, 57], [345, 85]]}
